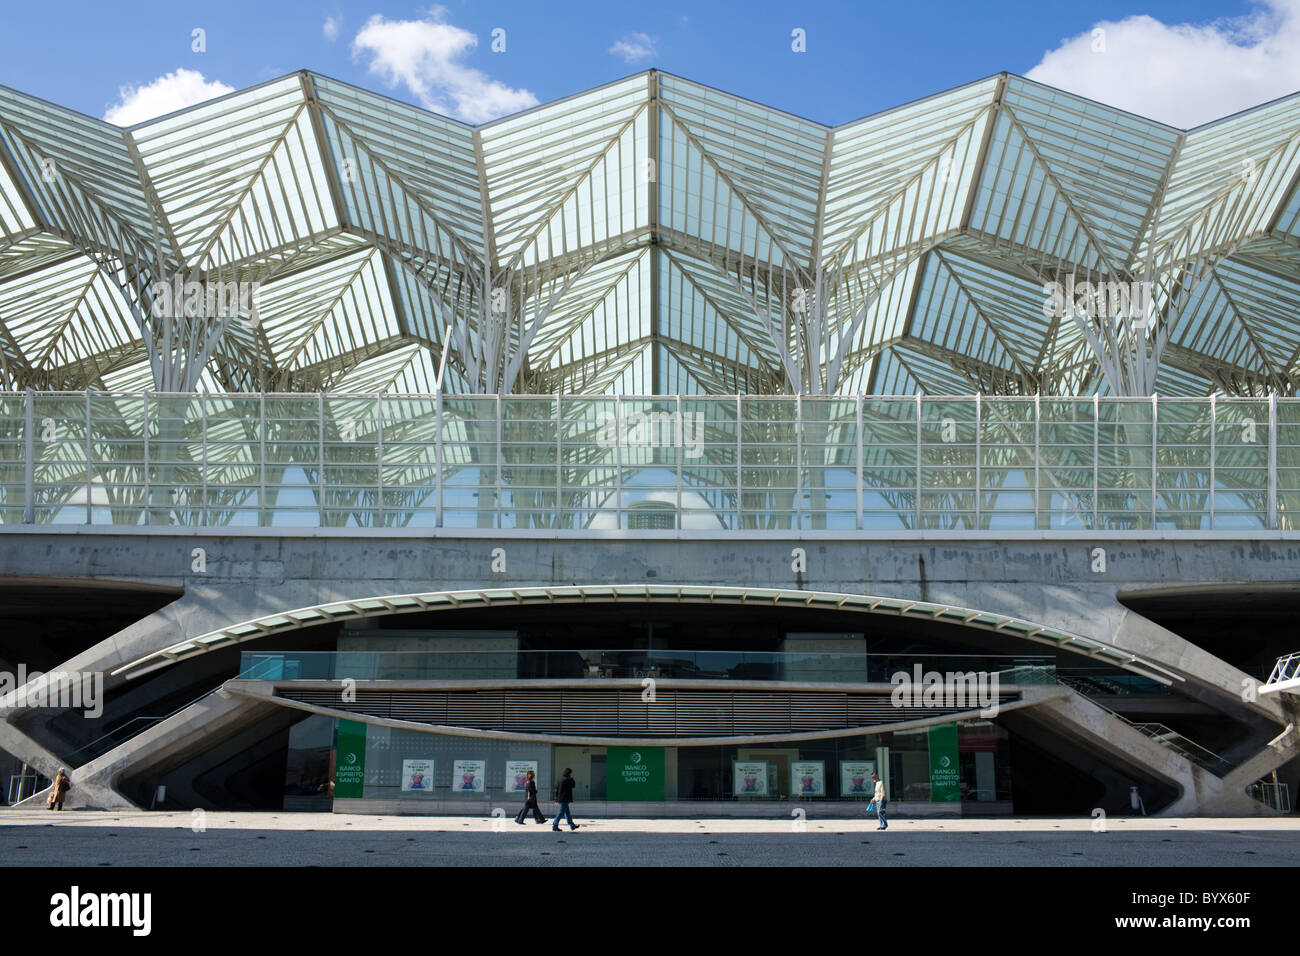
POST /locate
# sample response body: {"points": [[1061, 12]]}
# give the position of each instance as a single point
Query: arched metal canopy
{"points": [[650, 236], [297, 619]]}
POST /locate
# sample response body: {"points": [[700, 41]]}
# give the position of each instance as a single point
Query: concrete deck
{"points": [[134, 838]]}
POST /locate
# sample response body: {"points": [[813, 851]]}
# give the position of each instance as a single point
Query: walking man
{"points": [[880, 801], [564, 797]]}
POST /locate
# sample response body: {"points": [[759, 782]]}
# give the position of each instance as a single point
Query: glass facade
{"points": [[607, 663], [1051, 465], [965, 763], [456, 768], [309, 767]]}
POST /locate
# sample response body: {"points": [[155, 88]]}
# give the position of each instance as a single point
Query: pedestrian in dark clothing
{"points": [[530, 801], [564, 797], [62, 784]]}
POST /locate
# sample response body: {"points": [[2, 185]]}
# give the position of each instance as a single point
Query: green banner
{"points": [[945, 775], [634, 773], [350, 762]]}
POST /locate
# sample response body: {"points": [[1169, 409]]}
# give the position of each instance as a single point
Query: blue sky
{"points": [[1183, 62]]}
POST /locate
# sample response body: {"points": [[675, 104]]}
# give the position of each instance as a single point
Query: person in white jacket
{"points": [[880, 801]]}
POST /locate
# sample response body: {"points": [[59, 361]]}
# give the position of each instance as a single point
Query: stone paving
{"points": [[221, 838]]}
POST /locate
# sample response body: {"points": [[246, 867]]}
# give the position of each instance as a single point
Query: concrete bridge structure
{"points": [[1073, 598]]}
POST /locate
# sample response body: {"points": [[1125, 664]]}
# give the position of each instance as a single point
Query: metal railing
{"points": [[1093, 684], [118, 735], [1160, 733], [126, 731], [24, 785], [707, 463], [1286, 669], [1275, 795], [1201, 756]]}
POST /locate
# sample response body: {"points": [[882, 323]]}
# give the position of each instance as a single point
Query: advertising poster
{"points": [[517, 775], [417, 776], [855, 778], [808, 777], [350, 768], [945, 774], [634, 773], [750, 778], [468, 776]]}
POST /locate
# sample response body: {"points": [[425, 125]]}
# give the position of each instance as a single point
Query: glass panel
{"points": [[653, 463]]}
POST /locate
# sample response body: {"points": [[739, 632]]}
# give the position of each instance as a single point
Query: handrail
{"points": [[1160, 733], [152, 721], [1286, 668]]}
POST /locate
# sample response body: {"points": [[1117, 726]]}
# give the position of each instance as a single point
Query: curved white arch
{"points": [[638, 593]]}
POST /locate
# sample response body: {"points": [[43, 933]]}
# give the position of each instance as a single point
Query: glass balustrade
{"points": [[708, 464], [632, 664]]}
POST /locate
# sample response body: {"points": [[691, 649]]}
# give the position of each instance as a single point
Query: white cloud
{"points": [[170, 92], [633, 47], [423, 55], [1183, 74], [331, 27]]}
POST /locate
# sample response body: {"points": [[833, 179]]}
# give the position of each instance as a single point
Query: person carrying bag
{"points": [[530, 801], [62, 784]]}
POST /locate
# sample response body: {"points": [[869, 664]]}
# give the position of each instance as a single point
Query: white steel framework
{"points": [[651, 236]]}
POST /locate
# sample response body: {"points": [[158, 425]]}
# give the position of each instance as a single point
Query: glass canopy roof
{"points": [[649, 236]]}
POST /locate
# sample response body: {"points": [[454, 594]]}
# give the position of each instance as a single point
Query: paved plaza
{"points": [[106, 838]]}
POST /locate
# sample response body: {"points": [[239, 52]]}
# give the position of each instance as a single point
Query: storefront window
{"points": [[309, 765], [947, 763]]}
